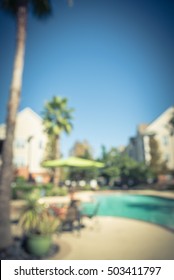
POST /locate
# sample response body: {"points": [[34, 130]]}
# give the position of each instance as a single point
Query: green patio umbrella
{"points": [[72, 162]]}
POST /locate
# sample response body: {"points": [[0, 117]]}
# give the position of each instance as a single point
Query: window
{"points": [[19, 162], [165, 140], [166, 157], [20, 143], [40, 144]]}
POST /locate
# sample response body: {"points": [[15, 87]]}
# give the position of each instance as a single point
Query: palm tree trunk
{"points": [[6, 175], [56, 178]]}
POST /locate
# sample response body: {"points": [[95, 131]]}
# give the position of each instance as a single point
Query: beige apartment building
{"points": [[29, 145], [139, 148]]}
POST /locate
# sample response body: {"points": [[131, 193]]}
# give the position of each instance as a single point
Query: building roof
{"points": [[30, 111], [26, 110], [142, 128], [167, 111], [23, 113]]}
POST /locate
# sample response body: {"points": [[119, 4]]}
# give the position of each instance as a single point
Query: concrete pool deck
{"points": [[111, 238], [114, 238]]}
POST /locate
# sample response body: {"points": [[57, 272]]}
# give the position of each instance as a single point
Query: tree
{"points": [[120, 167], [111, 170], [83, 150], [19, 9], [156, 164], [56, 119], [50, 148]]}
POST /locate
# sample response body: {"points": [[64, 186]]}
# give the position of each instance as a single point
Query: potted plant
{"points": [[38, 225]]}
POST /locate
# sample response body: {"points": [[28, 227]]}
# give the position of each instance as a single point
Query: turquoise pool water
{"points": [[152, 209]]}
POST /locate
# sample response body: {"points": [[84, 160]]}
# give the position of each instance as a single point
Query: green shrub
{"points": [[46, 186], [22, 191], [87, 187], [37, 219], [26, 190], [56, 192], [20, 180], [103, 188]]}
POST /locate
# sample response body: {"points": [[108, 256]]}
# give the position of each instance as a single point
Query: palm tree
{"points": [[57, 119], [20, 9]]}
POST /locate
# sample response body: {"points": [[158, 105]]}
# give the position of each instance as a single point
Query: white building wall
{"points": [[162, 134], [28, 154], [31, 153], [2, 131], [140, 148], [160, 128], [147, 156]]}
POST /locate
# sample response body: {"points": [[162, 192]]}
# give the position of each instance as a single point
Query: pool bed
{"points": [[151, 209]]}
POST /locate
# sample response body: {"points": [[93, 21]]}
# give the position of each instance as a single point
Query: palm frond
{"points": [[12, 6], [41, 8], [57, 117]]}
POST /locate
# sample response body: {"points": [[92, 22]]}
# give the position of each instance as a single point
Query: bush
{"points": [[56, 192], [26, 190], [21, 191], [20, 180], [87, 187], [104, 188], [37, 219]]}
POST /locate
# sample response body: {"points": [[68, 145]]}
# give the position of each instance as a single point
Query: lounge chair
{"points": [[92, 213], [72, 218]]}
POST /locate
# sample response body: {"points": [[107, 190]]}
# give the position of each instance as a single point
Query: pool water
{"points": [[152, 209]]}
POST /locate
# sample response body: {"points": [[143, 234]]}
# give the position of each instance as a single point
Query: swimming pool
{"points": [[152, 209]]}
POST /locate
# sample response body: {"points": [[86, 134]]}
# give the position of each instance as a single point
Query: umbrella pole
{"points": [[71, 193]]}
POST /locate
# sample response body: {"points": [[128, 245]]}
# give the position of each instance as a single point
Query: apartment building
{"points": [[29, 145], [139, 146]]}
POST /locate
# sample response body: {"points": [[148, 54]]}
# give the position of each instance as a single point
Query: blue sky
{"points": [[112, 59]]}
